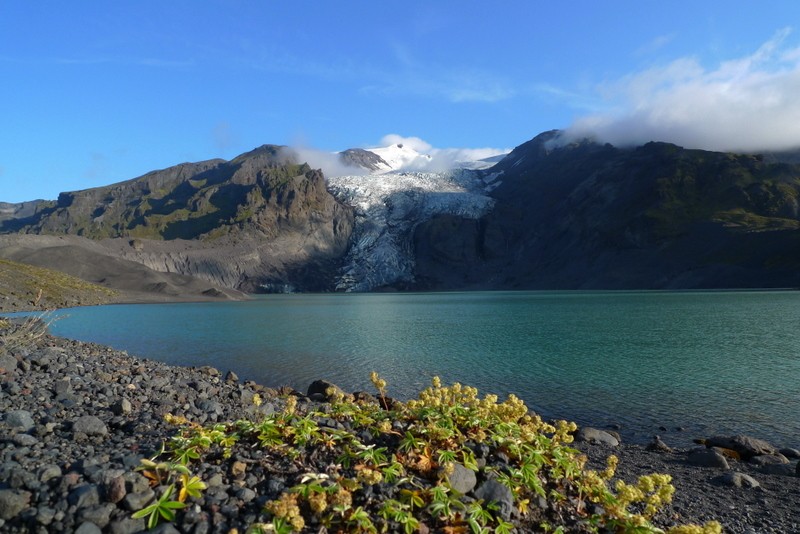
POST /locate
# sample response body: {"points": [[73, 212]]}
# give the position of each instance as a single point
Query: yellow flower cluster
{"points": [[436, 396], [378, 382], [447, 469], [369, 476], [653, 491], [385, 426], [564, 431], [291, 405], [342, 498], [179, 420], [712, 527], [335, 395], [466, 397], [317, 501], [611, 467], [286, 508], [513, 409], [594, 486]]}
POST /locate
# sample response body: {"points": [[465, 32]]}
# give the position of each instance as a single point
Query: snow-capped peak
{"points": [[412, 154], [401, 156], [407, 182]]}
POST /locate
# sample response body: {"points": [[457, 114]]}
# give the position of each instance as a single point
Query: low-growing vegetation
{"points": [[23, 334], [20, 335], [449, 461], [27, 287]]}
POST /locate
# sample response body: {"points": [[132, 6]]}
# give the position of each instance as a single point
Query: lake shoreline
{"points": [[636, 362], [93, 412]]}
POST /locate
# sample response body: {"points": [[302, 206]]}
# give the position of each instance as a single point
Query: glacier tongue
{"points": [[388, 207]]}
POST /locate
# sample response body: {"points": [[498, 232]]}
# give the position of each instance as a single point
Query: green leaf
{"points": [[144, 512]]}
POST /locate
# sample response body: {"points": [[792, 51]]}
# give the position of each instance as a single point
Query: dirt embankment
{"points": [[46, 272]]}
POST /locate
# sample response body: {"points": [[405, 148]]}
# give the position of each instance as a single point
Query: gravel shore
{"points": [[78, 418]]}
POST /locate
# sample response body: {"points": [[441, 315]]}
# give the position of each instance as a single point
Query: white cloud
{"points": [[414, 142], [745, 104], [441, 159], [329, 162]]}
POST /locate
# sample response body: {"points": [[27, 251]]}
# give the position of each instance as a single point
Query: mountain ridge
{"points": [[549, 215], [256, 221], [585, 215]]}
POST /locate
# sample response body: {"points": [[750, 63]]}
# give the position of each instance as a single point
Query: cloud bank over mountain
{"points": [[745, 104], [417, 155], [330, 162], [441, 159]]}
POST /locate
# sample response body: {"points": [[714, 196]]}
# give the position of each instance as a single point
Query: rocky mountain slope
{"points": [[260, 221], [549, 215], [586, 215], [23, 209], [363, 159]]}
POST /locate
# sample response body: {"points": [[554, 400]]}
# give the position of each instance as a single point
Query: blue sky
{"points": [[93, 93]]}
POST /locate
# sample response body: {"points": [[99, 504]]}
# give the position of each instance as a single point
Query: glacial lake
{"points": [[710, 362]]}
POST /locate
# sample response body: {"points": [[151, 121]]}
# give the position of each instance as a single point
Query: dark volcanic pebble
{"points": [[89, 425], [12, 502], [494, 491], [20, 420]]}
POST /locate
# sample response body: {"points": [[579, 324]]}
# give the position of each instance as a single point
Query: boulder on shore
{"points": [[745, 446], [595, 435], [708, 458]]}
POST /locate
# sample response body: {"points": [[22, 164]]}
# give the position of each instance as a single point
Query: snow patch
{"points": [[413, 154]]}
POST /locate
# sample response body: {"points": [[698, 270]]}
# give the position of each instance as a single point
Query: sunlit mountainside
{"points": [[553, 213]]}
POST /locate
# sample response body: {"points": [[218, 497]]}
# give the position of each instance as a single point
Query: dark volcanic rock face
{"points": [[358, 157], [259, 220], [21, 210], [586, 215], [448, 241]]}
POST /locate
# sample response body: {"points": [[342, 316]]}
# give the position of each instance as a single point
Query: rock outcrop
{"points": [[20, 210], [261, 221], [364, 159]]}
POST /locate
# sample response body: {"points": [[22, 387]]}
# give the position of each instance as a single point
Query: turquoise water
{"points": [[726, 362]]}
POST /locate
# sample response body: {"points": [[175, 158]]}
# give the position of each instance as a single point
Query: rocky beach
{"points": [[79, 418]]}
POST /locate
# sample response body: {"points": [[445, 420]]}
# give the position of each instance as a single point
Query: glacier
{"points": [[389, 206]]}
